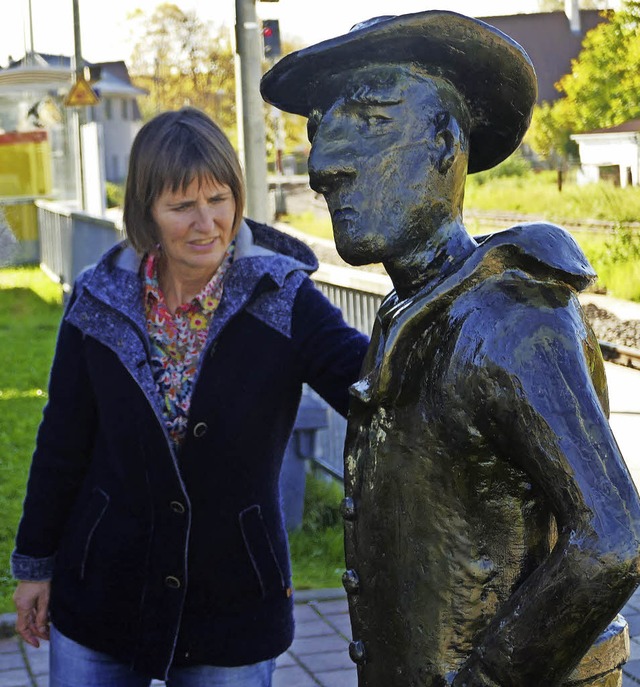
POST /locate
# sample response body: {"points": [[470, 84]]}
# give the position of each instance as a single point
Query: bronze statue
{"points": [[491, 525]]}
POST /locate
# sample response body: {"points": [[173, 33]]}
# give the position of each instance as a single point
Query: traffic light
{"points": [[271, 38]]}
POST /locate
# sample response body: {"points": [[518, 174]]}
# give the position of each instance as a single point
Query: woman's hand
{"points": [[32, 604]]}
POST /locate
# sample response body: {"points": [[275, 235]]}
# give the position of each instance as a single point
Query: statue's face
{"points": [[375, 157]]}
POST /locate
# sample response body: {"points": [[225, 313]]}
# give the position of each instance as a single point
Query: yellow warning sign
{"points": [[81, 94]]}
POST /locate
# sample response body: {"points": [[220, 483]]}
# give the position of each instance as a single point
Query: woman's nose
{"points": [[204, 217]]}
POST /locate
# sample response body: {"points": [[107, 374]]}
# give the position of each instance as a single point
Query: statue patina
{"points": [[491, 525]]}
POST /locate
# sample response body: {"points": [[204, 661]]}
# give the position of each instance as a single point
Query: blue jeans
{"points": [[74, 665]]}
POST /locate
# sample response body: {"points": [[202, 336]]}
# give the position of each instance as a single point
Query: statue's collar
{"points": [[545, 251]]}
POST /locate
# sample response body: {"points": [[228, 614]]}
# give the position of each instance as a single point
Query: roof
{"points": [[42, 59], [549, 41], [630, 127], [114, 76]]}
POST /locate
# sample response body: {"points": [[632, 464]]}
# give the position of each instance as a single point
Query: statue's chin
{"points": [[355, 259], [355, 250]]}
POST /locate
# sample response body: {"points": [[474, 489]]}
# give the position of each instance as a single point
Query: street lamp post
{"points": [[79, 116], [251, 126]]}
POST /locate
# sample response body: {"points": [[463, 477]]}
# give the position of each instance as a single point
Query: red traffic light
{"points": [[271, 38]]}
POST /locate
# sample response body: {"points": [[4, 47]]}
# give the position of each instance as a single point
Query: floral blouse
{"points": [[177, 340]]}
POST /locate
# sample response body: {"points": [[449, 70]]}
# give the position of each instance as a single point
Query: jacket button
{"points": [[173, 582], [351, 582], [200, 429], [177, 507], [356, 652], [348, 509]]}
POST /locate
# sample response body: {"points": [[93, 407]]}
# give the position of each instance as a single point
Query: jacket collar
{"points": [[261, 253]]}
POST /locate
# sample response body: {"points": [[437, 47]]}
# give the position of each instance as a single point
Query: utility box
{"points": [[25, 164], [25, 175]]}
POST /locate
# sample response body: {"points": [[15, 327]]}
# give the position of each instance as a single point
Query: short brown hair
{"points": [[168, 153]]}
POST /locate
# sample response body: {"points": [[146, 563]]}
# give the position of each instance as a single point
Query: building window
{"points": [[107, 108], [125, 108]]}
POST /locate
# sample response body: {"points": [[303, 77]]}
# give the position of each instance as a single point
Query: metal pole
{"points": [[78, 66], [251, 126], [31, 42]]}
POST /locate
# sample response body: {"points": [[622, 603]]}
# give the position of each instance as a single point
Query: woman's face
{"points": [[195, 226]]}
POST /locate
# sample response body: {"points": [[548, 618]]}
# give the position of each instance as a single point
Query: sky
{"points": [[105, 32]]}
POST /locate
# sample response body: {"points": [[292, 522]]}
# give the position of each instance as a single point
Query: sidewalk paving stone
{"points": [[318, 657]]}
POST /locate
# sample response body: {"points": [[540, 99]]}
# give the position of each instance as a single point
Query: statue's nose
{"points": [[333, 157]]}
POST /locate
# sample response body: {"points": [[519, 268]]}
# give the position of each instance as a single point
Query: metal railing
{"points": [[358, 294], [71, 240]]}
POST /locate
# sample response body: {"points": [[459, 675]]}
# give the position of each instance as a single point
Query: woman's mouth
{"points": [[201, 243]]}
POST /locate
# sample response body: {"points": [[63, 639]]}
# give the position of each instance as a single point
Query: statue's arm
{"points": [[538, 405]]}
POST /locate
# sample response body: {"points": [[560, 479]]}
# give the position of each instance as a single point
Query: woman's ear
{"points": [[448, 134]]}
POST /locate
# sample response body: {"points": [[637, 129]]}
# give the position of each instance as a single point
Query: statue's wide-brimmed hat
{"points": [[491, 72]]}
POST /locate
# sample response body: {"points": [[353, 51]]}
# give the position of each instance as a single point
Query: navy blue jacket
{"points": [[158, 557]]}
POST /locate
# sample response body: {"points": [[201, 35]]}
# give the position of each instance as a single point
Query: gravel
{"points": [[612, 329]]}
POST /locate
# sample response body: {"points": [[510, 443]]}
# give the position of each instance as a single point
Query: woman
{"points": [[152, 513]]}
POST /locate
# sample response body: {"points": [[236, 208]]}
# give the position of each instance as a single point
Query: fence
{"points": [[71, 240]]}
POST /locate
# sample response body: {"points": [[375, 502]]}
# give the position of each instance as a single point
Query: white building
{"points": [[117, 113], [40, 135], [610, 153]]}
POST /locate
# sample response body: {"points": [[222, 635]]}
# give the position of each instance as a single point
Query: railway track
{"points": [[620, 355], [509, 219]]}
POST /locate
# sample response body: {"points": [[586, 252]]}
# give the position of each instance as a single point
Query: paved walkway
{"points": [[317, 658]]}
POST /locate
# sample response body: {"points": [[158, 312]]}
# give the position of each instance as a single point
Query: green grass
{"points": [[616, 259], [537, 194], [30, 310], [317, 549]]}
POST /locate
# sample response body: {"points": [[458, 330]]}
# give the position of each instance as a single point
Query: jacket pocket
{"points": [[95, 510], [261, 552]]}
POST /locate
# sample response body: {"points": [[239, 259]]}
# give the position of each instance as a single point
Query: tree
{"points": [[182, 60], [602, 89]]}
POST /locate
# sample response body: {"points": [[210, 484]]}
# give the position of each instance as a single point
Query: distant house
{"points": [[612, 153], [552, 40], [117, 112], [39, 140]]}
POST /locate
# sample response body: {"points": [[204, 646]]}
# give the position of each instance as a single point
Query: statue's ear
{"points": [[448, 135]]}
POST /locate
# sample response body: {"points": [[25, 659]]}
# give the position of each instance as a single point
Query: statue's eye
{"points": [[374, 123]]}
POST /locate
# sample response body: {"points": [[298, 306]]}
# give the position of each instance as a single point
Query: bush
{"points": [[115, 195]]}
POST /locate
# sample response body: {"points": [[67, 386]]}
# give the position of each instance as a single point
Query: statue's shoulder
{"points": [[542, 249]]}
